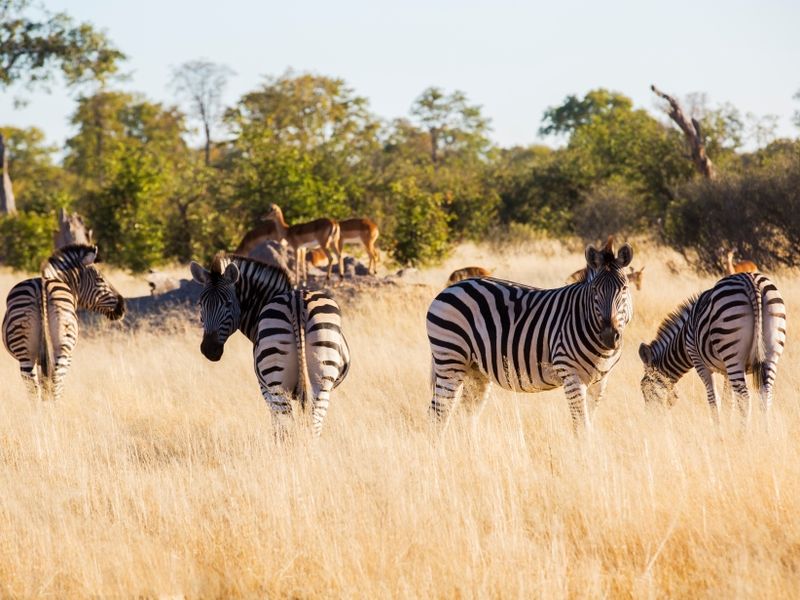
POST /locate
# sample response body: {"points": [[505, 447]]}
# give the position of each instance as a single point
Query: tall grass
{"points": [[157, 474]]}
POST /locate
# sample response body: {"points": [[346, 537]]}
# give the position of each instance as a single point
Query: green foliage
{"points": [[576, 112], [39, 185], [31, 45], [420, 231], [26, 240], [124, 215], [756, 214]]}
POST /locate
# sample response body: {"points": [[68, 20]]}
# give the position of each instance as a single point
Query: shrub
{"points": [[26, 240], [609, 210], [421, 233]]}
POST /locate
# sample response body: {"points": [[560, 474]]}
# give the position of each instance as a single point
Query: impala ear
{"points": [[231, 273], [625, 255], [646, 354], [199, 274]]}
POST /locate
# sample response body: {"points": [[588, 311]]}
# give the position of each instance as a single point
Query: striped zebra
{"points": [[528, 340], [734, 328], [70, 280], [299, 349]]}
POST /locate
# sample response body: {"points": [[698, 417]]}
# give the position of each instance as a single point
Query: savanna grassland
{"points": [[157, 474]]}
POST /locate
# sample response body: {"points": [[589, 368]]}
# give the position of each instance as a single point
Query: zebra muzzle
{"points": [[211, 347], [609, 337]]}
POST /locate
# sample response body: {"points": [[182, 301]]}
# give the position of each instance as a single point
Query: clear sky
{"points": [[513, 58]]}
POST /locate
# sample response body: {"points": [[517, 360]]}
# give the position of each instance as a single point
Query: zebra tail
{"points": [[758, 351], [303, 384], [45, 343]]}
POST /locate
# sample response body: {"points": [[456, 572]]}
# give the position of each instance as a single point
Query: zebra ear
{"points": [[625, 255], [199, 274], [594, 258], [646, 354], [232, 273], [90, 257]]}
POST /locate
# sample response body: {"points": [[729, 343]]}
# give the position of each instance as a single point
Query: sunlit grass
{"points": [[157, 473]]}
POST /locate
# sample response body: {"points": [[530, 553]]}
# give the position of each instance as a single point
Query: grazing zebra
{"points": [[298, 346], [736, 327], [528, 340], [70, 280]]}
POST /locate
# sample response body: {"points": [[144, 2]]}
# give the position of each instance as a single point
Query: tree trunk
{"points": [[691, 130], [208, 143], [7, 204]]}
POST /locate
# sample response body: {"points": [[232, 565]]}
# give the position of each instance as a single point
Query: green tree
{"points": [[39, 184], [576, 112], [420, 233], [33, 42]]}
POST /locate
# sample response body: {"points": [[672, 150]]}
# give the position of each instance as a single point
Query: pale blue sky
{"points": [[513, 58]]}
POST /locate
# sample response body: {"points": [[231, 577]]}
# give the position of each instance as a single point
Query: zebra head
{"points": [[219, 304], [657, 387], [612, 305], [75, 265]]}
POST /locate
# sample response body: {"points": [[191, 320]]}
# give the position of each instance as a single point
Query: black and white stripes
{"points": [[526, 339], [299, 350], [69, 281], [736, 327]]}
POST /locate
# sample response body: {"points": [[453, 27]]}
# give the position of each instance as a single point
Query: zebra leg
{"points": [[575, 389], [29, 378], [280, 407], [61, 368], [595, 392], [475, 395], [711, 388], [739, 386], [319, 408], [447, 391]]}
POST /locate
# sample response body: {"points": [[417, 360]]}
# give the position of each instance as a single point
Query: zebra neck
{"points": [[255, 288], [669, 351]]}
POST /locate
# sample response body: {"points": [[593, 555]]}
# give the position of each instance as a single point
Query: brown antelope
{"points": [[251, 239], [364, 231], [634, 276], [320, 232], [467, 273], [317, 258], [745, 266]]}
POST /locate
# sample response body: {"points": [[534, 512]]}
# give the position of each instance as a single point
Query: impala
{"points": [[745, 266], [320, 232], [361, 230]]}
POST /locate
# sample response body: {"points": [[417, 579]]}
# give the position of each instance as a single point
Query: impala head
{"points": [[220, 311], [75, 265], [635, 277], [657, 388], [612, 305], [273, 212]]}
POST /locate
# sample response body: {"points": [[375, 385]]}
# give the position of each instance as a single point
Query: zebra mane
{"points": [[69, 257], [255, 266], [676, 318]]}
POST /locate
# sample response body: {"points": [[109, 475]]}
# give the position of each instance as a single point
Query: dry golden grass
{"points": [[157, 475]]}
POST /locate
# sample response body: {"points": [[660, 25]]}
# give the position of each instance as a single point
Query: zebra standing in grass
{"points": [[736, 327], [529, 340], [70, 280], [298, 346]]}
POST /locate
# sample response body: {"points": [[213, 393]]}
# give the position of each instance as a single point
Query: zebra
{"points": [[70, 280], [527, 339], [299, 350], [734, 328]]}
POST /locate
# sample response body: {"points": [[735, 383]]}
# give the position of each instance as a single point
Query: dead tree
{"points": [[71, 230], [691, 130], [7, 204]]}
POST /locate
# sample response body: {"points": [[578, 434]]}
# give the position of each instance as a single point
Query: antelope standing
{"points": [[323, 232], [744, 266], [361, 230]]}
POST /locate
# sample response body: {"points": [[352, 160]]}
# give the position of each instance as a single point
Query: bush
{"points": [[26, 240], [421, 233], [755, 214], [608, 210]]}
